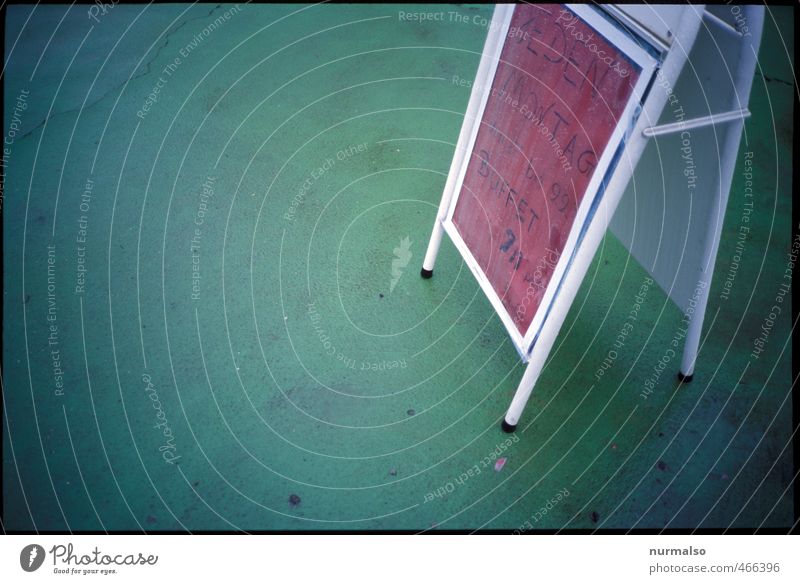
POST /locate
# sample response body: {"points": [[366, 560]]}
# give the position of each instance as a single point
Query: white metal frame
{"points": [[588, 230], [469, 133]]}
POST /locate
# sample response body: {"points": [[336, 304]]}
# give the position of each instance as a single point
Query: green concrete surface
{"points": [[269, 368]]}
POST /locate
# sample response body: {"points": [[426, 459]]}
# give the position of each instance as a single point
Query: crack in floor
{"points": [[121, 86], [769, 79]]}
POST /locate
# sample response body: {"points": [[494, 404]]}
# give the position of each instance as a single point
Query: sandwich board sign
{"points": [[558, 117]]}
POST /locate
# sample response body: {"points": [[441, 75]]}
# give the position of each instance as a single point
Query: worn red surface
{"points": [[556, 98]]}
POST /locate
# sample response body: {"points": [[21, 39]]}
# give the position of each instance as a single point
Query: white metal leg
{"points": [[529, 378], [744, 81], [687, 32], [563, 300], [711, 245], [483, 79], [433, 249]]}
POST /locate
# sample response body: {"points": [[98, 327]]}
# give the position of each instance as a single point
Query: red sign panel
{"points": [[558, 94]]}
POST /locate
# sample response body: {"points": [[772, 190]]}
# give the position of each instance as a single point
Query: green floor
{"points": [[303, 384]]}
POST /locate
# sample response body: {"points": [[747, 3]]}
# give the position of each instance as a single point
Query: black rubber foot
{"points": [[426, 273], [508, 428], [684, 378]]}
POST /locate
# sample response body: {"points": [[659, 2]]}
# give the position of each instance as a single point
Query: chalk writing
{"points": [[556, 98]]}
